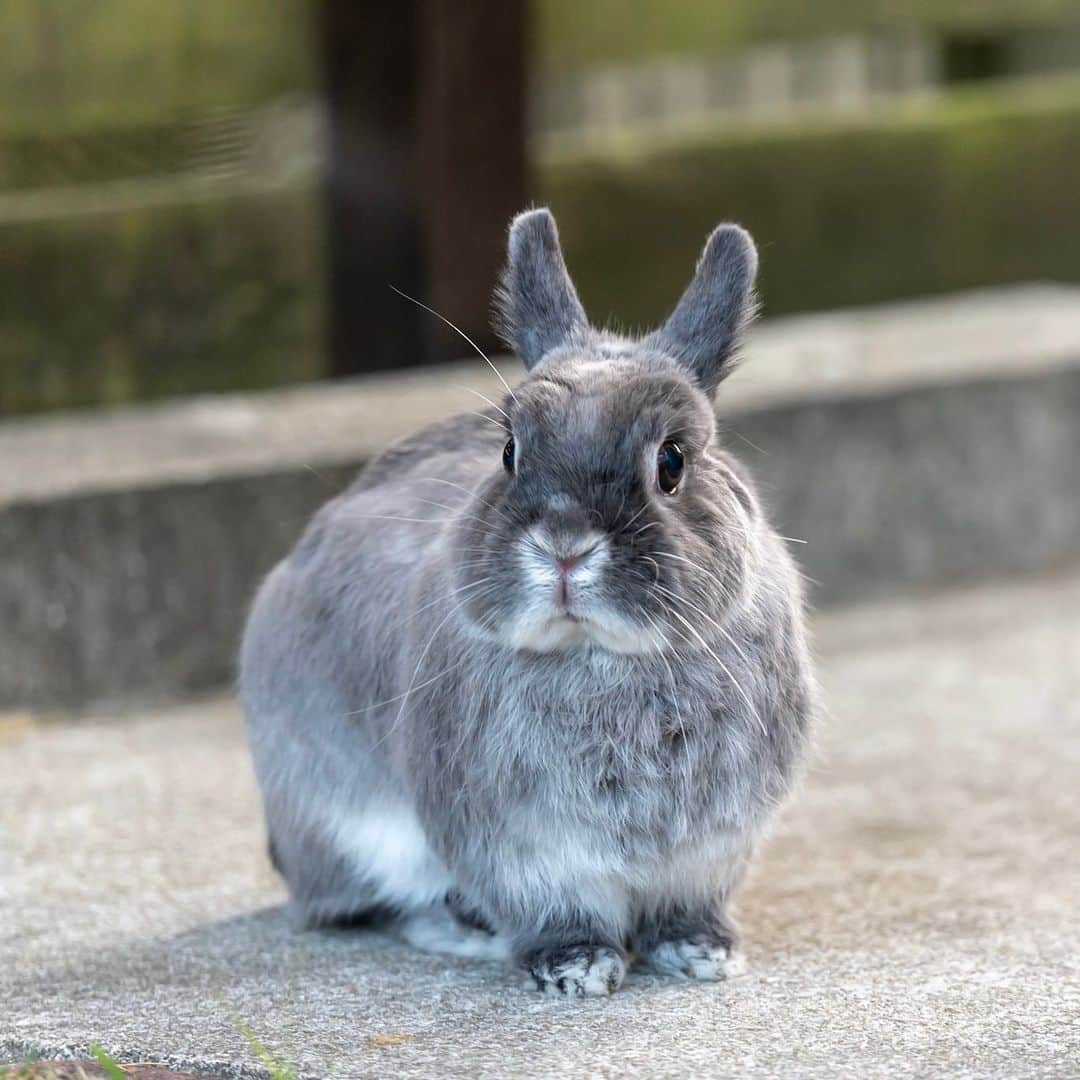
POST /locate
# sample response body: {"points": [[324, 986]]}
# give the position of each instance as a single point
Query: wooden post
{"points": [[473, 138], [373, 230], [425, 165]]}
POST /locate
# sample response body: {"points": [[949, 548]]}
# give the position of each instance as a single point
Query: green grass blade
{"points": [[277, 1069], [105, 1060]]}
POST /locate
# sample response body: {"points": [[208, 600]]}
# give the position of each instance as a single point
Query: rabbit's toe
{"points": [[696, 959], [577, 970]]}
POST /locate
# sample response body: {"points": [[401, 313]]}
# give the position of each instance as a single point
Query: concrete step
{"points": [[907, 445], [914, 914]]}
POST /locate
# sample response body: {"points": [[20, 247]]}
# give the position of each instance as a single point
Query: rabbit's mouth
{"points": [[564, 630], [559, 632]]}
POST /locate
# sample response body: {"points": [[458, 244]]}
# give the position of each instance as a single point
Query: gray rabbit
{"points": [[535, 683]]}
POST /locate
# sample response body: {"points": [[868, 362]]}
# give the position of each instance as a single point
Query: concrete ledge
{"points": [[906, 445]]}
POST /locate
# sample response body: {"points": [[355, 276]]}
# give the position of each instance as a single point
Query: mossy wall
{"points": [[976, 189], [217, 293], [90, 59], [86, 153], [122, 277], [572, 34], [223, 289]]}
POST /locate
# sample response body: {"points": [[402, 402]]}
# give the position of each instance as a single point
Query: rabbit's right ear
{"points": [[537, 307], [704, 330]]}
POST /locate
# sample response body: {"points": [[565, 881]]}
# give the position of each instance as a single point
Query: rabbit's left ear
{"points": [[537, 306], [703, 331]]}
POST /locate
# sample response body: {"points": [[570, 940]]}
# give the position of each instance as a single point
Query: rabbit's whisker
{"points": [[457, 330], [446, 596], [461, 487], [453, 510], [705, 615], [412, 520], [753, 445], [484, 416], [659, 648], [397, 697], [484, 397], [723, 667], [635, 517], [709, 575], [416, 671]]}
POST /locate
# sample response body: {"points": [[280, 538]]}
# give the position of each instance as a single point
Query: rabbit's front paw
{"points": [[695, 959], [577, 970]]}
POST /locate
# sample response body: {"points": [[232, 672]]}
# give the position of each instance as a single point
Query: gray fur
{"points": [[703, 331], [537, 306], [426, 724]]}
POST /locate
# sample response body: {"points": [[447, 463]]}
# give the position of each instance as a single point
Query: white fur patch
{"points": [[436, 930], [389, 848]]}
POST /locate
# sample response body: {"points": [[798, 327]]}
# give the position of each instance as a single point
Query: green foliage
{"points": [[218, 287], [277, 1068], [575, 34], [206, 293], [571, 34], [159, 57], [970, 190], [82, 153], [164, 290], [112, 1069]]}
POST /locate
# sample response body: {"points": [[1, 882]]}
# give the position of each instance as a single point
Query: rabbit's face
{"points": [[610, 519]]}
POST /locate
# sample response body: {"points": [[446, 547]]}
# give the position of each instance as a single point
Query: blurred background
{"points": [[197, 196], [201, 200], [203, 207]]}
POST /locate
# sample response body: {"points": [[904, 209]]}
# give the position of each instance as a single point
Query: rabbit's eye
{"points": [[508, 456], [669, 467]]}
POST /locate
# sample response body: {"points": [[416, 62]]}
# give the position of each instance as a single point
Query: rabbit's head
{"points": [[611, 518]]}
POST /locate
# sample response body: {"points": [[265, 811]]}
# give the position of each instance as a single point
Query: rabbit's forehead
{"points": [[606, 400]]}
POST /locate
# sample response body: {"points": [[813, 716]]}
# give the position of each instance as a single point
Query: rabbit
{"points": [[535, 683]]}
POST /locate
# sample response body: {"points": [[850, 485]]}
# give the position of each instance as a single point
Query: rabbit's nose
{"points": [[566, 563], [567, 550]]}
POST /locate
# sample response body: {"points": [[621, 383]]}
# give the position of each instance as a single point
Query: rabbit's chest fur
{"points": [[605, 766]]}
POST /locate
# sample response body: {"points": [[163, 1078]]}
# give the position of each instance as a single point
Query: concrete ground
{"points": [[915, 914]]}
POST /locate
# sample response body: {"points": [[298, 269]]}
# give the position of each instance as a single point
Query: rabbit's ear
{"points": [[537, 307], [704, 329]]}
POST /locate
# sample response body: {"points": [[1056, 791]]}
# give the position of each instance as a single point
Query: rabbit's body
{"points": [[579, 758]]}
